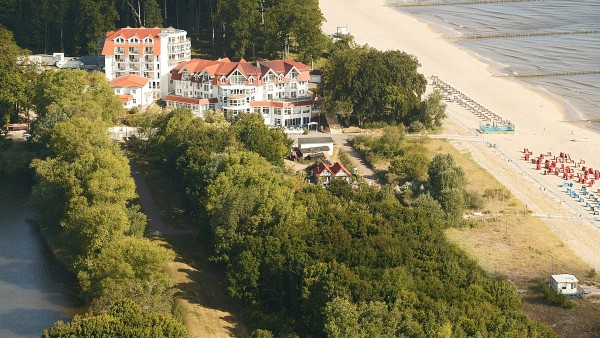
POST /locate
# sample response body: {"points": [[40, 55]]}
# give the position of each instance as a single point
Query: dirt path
{"points": [[364, 170], [209, 311], [155, 224]]}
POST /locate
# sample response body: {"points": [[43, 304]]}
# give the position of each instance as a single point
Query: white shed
{"points": [[308, 145], [564, 284]]}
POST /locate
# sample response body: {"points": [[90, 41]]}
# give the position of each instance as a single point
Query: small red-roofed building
{"points": [[146, 52], [132, 90], [278, 90], [324, 173]]}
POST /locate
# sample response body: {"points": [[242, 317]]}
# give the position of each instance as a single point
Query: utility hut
{"points": [[566, 284], [312, 145]]}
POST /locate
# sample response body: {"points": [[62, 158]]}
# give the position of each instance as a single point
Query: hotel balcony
{"points": [[134, 50], [149, 66], [149, 58], [133, 58], [119, 50], [177, 47]]}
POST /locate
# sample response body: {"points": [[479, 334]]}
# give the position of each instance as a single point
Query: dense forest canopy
{"points": [[342, 261], [237, 28]]}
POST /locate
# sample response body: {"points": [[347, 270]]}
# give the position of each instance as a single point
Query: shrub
{"points": [[416, 127], [473, 200], [500, 193], [554, 298]]}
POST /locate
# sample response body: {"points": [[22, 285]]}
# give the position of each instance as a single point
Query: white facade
{"points": [[146, 52], [564, 284], [133, 90], [278, 90], [306, 143]]}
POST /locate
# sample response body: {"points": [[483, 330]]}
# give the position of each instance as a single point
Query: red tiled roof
{"points": [[280, 104], [320, 168], [336, 167], [129, 80], [125, 98], [128, 32], [182, 99], [224, 67]]}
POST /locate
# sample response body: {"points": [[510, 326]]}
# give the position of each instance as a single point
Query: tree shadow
{"points": [[206, 281]]}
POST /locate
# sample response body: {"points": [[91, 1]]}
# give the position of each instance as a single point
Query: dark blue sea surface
{"points": [[536, 54]]}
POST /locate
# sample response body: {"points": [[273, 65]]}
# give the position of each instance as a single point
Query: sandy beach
{"points": [[539, 118]]}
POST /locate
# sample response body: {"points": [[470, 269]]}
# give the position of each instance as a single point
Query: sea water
{"points": [[537, 54]]}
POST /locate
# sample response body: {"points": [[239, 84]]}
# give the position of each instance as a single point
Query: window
{"points": [[148, 40], [237, 78], [185, 76], [119, 40], [223, 79], [134, 40], [269, 77]]}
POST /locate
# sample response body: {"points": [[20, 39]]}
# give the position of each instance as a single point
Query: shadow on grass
{"points": [[204, 281]]}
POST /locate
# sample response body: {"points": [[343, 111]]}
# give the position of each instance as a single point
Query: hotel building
{"points": [[278, 89]]}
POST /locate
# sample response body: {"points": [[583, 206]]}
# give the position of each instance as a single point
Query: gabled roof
{"points": [[337, 167], [224, 67], [127, 33], [330, 170], [129, 80], [322, 169]]}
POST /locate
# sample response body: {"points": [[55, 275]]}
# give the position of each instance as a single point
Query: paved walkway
{"points": [[156, 226], [363, 168]]}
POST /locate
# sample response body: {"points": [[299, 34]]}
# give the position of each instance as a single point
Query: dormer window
{"points": [[237, 77], [134, 40], [293, 75], [269, 77], [280, 77], [119, 40], [223, 79], [251, 79], [148, 41], [185, 76]]}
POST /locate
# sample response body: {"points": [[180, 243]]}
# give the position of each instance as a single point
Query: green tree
{"points": [[124, 319], [128, 269], [370, 85], [293, 22], [432, 111], [254, 135], [412, 165], [239, 22], [14, 70], [151, 14], [89, 22], [445, 174], [77, 93], [341, 319]]}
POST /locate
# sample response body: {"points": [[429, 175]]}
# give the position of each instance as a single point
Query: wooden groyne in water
{"points": [[456, 3], [520, 35], [584, 72]]}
